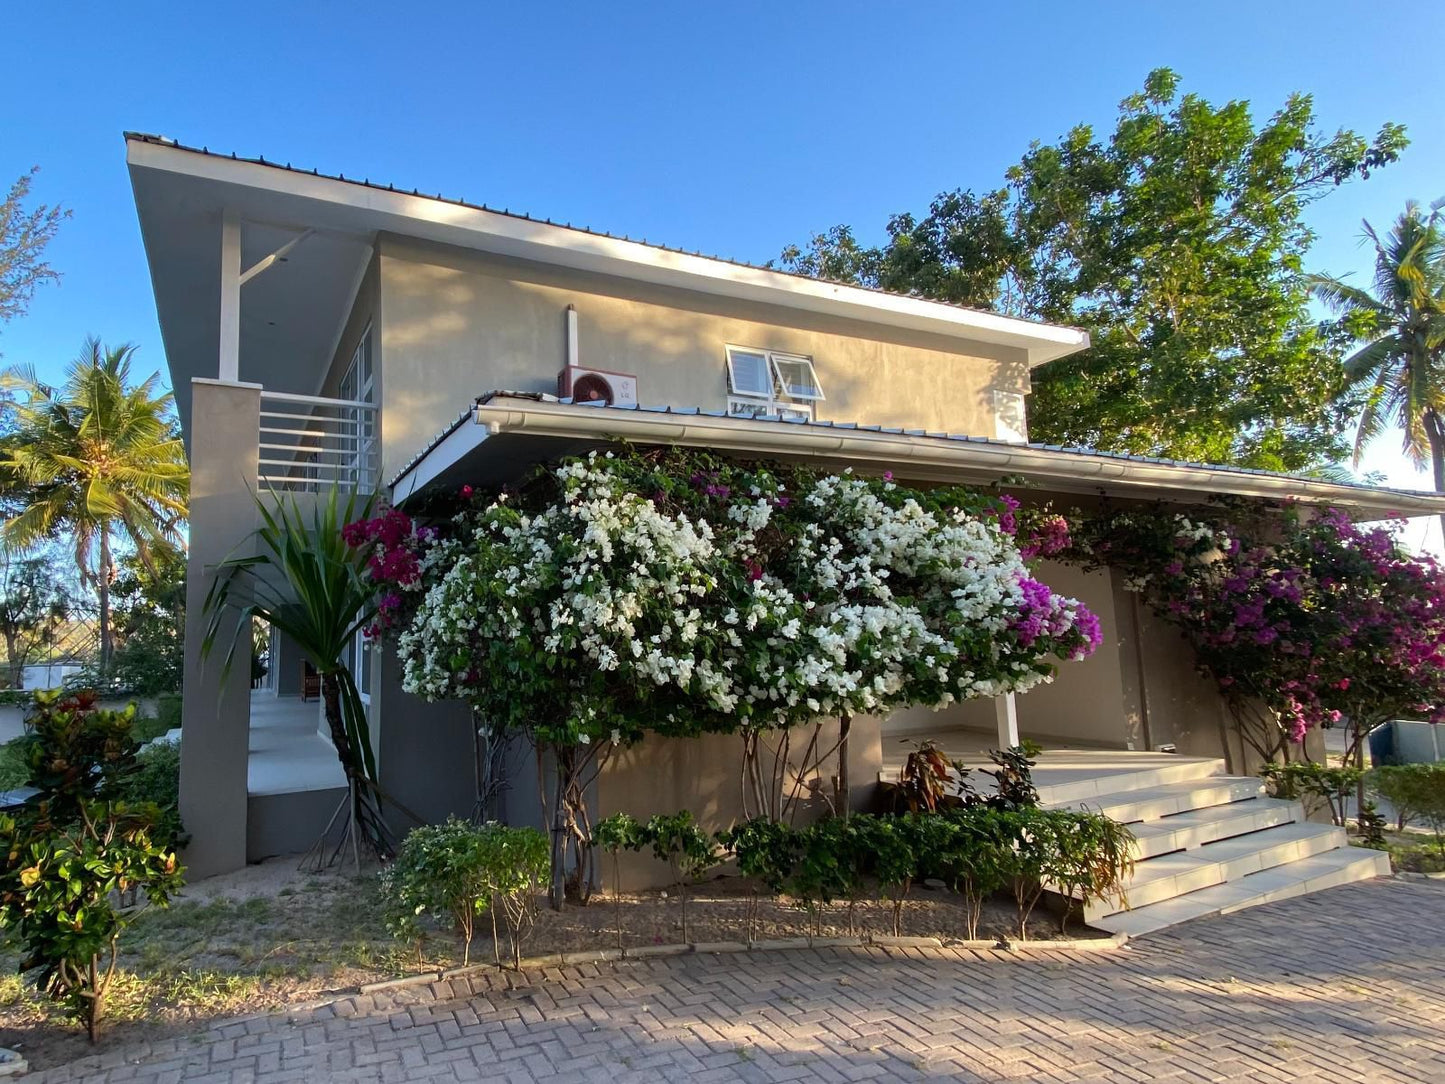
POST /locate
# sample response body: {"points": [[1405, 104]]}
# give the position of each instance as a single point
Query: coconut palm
{"points": [[1401, 366], [97, 459], [301, 576]]}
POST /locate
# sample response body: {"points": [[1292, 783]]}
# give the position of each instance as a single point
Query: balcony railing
{"points": [[308, 443]]}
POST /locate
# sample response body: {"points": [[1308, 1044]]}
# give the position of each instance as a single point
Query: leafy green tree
{"points": [[1401, 365], [100, 458], [34, 607], [1178, 243], [150, 621], [24, 234]]}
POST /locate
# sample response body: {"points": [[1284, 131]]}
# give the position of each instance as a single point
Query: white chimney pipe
{"points": [[571, 335]]}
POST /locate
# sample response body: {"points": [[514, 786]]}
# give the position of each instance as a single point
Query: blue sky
{"points": [[731, 128]]}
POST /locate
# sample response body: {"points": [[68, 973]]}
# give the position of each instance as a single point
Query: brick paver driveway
{"points": [[1346, 985]]}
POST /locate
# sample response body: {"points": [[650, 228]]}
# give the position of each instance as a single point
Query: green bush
{"points": [[457, 871], [77, 847], [975, 850], [1313, 784], [1417, 792], [157, 780], [168, 710]]}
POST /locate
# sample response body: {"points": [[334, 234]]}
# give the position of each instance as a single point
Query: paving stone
{"points": [[1296, 991]]}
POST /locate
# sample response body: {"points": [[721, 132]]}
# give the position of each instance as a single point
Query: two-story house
{"points": [[331, 331]]}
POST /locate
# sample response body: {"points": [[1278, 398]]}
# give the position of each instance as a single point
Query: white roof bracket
{"points": [[280, 254]]}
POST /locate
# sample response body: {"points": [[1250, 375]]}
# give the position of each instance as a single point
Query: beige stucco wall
{"points": [[665, 775], [1087, 704], [458, 324]]}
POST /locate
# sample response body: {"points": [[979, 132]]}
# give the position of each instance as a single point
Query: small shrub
{"points": [[1090, 857], [1416, 791], [689, 851], [1314, 784], [977, 862], [615, 834], [157, 780], [457, 871], [75, 848], [766, 851]]}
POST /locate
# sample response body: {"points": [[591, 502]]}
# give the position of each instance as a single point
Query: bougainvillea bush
{"points": [[677, 593], [1302, 620]]}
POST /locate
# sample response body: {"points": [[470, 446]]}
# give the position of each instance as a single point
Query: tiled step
{"points": [[1183, 831], [1325, 870], [1176, 874], [1164, 801], [1094, 783]]}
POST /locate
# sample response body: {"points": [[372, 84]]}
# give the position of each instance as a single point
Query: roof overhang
{"points": [[168, 178], [502, 436]]}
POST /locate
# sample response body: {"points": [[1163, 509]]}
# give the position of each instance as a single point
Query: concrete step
{"points": [[1153, 803], [1182, 831], [1181, 872], [1325, 870], [1056, 788]]}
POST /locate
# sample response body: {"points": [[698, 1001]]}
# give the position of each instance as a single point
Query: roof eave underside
{"points": [[557, 428], [365, 208]]}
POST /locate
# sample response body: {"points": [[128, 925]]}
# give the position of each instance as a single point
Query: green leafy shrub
{"points": [[1417, 792], [977, 861], [76, 847], [157, 781], [1315, 784], [454, 872], [1091, 857], [975, 850], [615, 834]]}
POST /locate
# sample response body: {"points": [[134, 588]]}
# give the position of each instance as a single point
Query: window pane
{"points": [[797, 377], [748, 373]]}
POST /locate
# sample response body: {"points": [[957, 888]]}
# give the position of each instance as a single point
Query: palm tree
{"points": [[1401, 366], [95, 458], [302, 577]]}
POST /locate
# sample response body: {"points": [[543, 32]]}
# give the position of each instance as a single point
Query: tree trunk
{"points": [[103, 589], [15, 662], [365, 806], [844, 798], [1436, 432]]}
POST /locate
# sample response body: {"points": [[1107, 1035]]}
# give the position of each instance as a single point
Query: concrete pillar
{"points": [[289, 663], [216, 713]]}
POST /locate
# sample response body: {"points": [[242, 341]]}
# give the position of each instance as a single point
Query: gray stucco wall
{"points": [[457, 324]]}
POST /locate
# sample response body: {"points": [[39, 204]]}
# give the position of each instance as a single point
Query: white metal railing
{"points": [[307, 443]]}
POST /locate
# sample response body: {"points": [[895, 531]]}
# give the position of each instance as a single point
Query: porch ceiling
{"points": [[505, 433], [291, 313]]}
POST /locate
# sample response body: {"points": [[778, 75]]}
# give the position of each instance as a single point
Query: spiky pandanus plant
{"points": [[303, 578]]}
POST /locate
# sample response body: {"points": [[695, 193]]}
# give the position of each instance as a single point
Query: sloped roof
{"points": [[911, 451]]}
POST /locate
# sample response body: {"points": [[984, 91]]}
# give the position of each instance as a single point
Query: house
{"points": [[322, 330]]}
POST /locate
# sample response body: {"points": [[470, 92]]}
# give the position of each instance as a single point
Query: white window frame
{"points": [[360, 645], [780, 402], [358, 384]]}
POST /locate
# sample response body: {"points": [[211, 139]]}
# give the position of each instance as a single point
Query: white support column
{"points": [[230, 337], [1007, 714]]}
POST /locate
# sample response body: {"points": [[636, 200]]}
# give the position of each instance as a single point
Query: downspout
{"points": [[571, 336]]}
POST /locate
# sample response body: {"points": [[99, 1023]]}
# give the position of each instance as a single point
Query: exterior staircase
{"points": [[1208, 843]]}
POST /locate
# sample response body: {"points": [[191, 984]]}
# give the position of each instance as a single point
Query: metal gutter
{"points": [[933, 456]]}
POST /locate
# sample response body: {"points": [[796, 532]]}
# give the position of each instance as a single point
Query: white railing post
{"points": [[229, 360]]}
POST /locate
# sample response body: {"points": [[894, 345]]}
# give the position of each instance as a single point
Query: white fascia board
{"points": [[376, 209], [939, 459]]}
